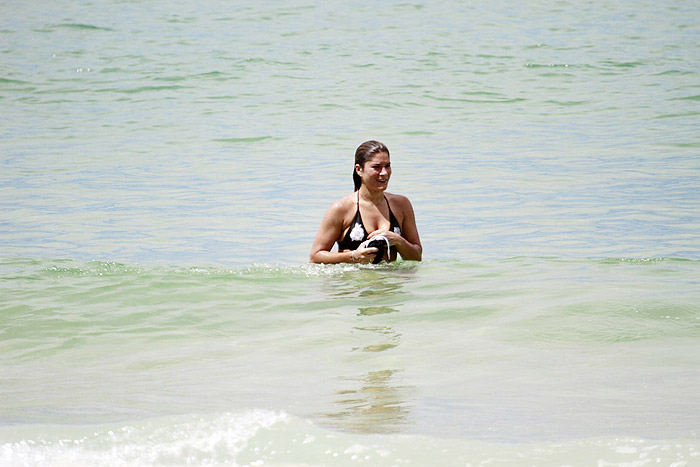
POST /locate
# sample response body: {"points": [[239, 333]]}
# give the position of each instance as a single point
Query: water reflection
{"points": [[370, 397], [378, 405], [389, 338], [376, 310], [383, 281]]}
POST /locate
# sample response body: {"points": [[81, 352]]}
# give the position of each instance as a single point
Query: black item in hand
{"points": [[381, 243]]}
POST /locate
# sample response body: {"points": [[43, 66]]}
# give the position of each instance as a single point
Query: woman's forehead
{"points": [[379, 157]]}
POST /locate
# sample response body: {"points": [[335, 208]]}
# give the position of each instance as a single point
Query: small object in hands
{"points": [[381, 243]]}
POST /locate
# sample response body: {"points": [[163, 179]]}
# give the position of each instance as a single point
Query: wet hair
{"points": [[365, 152]]}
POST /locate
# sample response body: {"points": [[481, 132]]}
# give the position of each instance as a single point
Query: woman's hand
{"points": [[403, 244], [364, 255], [393, 238]]}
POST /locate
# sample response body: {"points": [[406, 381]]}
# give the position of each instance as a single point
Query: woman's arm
{"points": [[412, 249], [330, 230]]}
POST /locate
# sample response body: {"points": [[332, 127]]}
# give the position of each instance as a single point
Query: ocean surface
{"points": [[164, 167]]}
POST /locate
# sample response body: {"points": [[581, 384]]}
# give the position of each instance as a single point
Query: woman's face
{"points": [[376, 172]]}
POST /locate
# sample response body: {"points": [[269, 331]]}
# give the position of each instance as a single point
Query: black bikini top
{"points": [[357, 233]]}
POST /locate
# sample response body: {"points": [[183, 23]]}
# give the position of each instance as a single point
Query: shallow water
{"points": [[164, 167], [582, 357]]}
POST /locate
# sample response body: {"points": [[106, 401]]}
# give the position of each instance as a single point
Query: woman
{"points": [[370, 212]]}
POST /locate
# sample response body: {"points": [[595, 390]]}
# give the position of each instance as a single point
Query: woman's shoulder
{"points": [[346, 201], [343, 205], [397, 200]]}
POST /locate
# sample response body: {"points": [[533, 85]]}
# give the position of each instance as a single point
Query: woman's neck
{"points": [[374, 197]]}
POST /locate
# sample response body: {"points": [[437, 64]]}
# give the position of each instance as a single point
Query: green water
{"points": [[505, 350]]}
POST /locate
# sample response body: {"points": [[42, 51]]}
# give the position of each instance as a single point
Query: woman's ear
{"points": [[358, 169]]}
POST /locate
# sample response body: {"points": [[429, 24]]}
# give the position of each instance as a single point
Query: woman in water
{"points": [[368, 213]]}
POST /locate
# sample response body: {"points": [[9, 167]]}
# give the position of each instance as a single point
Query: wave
{"points": [[62, 267], [77, 267], [549, 299], [81, 26], [262, 437]]}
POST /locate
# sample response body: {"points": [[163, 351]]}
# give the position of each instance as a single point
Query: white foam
{"points": [[188, 440]]}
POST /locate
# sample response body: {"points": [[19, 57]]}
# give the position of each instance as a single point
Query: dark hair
{"points": [[364, 152]]}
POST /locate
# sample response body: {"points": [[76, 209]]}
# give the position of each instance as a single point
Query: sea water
{"points": [[164, 167]]}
